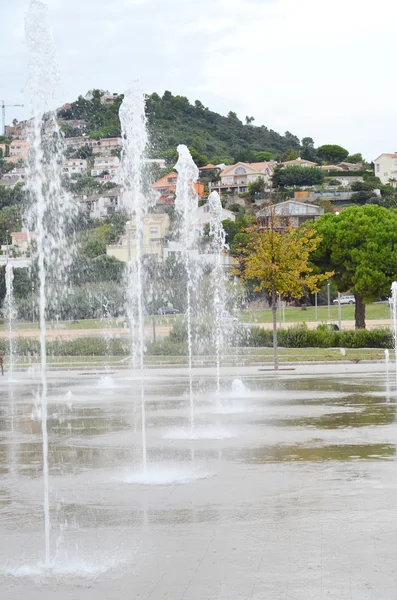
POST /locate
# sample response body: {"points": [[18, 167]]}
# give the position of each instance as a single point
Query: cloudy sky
{"points": [[319, 68]]}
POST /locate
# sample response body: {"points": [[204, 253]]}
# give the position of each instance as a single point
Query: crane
{"points": [[3, 109]]}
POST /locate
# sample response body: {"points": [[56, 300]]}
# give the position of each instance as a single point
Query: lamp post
{"points": [[315, 307], [128, 240], [329, 300]]}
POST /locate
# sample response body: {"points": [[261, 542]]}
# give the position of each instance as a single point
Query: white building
{"points": [[106, 165], [204, 215], [288, 214], [17, 174], [237, 177], [74, 165], [299, 162], [104, 204], [386, 168]]}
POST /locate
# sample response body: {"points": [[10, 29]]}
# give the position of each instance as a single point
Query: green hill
{"points": [[174, 120]]}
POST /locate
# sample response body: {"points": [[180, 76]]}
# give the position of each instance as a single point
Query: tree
{"points": [[83, 152], [308, 151], [256, 188], [297, 176], [332, 153], [360, 245], [354, 158], [292, 139], [278, 262], [291, 154], [264, 156], [200, 159], [249, 120]]}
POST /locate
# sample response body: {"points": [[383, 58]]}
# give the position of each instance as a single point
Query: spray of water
{"points": [[10, 314], [218, 236], [134, 142], [394, 307], [52, 210], [186, 204], [387, 372]]}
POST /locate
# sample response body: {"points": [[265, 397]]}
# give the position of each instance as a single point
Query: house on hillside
{"points": [[236, 178], [18, 150], [386, 168], [106, 165], [299, 162], [165, 188], [103, 204], [104, 146], [17, 174], [74, 165], [155, 229], [204, 215], [288, 214], [346, 166]]}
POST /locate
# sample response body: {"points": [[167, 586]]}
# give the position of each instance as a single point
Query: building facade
{"points": [[74, 165], [288, 214], [236, 178], [155, 229], [386, 168]]}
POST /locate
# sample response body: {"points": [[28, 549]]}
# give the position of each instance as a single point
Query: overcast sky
{"points": [[319, 68]]}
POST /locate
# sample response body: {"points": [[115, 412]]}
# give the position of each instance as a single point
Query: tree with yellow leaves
{"points": [[276, 259]]}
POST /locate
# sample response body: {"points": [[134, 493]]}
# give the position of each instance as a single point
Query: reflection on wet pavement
{"points": [[286, 503]]}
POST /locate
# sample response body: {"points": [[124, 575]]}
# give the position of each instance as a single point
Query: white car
{"points": [[345, 300]]}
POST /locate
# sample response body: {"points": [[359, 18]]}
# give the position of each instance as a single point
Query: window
{"points": [[377, 167], [386, 174], [240, 171], [153, 230]]}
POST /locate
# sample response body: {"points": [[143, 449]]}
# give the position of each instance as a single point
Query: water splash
{"points": [[387, 358], [134, 142], [10, 314], [165, 474], [106, 383], [394, 313], [239, 389], [218, 276], [52, 209], [186, 204]]}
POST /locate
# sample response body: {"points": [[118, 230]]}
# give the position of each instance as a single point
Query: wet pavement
{"points": [[286, 488]]}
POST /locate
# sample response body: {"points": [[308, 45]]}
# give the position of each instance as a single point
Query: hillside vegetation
{"points": [[174, 120]]}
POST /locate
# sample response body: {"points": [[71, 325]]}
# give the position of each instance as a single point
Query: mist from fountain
{"points": [[10, 314], [218, 277], [394, 314], [186, 204], [52, 210], [134, 142]]}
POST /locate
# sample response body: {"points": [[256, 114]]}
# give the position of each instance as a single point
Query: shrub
{"points": [[167, 347], [302, 337]]}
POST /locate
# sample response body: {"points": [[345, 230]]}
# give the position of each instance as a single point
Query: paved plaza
{"points": [[285, 489]]}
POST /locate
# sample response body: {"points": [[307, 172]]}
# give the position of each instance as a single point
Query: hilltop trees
{"points": [[360, 246], [332, 153]]}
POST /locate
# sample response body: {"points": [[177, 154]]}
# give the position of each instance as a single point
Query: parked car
{"points": [[226, 316], [327, 327], [168, 310], [345, 300]]}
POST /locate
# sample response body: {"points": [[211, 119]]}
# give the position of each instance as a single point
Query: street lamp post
{"points": [[329, 300], [315, 307]]}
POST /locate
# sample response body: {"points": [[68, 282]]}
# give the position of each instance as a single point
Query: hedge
{"points": [[175, 343], [302, 337]]}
